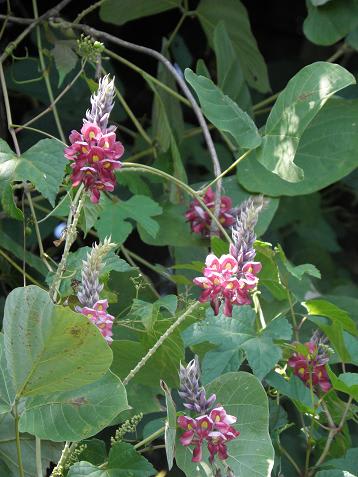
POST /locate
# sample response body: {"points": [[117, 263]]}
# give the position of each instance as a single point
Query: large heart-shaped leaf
{"points": [[296, 106], [50, 348], [43, 165], [237, 23], [223, 112], [75, 415], [251, 454], [326, 153]]}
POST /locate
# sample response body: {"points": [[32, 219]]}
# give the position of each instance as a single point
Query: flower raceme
{"points": [[214, 428], [95, 158], [227, 281], [200, 220], [99, 316], [311, 366]]}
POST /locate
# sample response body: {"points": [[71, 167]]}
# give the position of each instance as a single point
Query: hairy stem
{"points": [[161, 340], [46, 75], [150, 438], [38, 457], [18, 443]]}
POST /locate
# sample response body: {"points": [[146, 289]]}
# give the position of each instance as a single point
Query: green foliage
{"points": [[123, 461], [37, 334], [237, 23], [251, 410], [120, 12], [224, 113], [170, 425], [42, 164]]}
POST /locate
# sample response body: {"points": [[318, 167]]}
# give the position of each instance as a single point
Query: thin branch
{"points": [[34, 22], [178, 77], [19, 269], [19, 20], [50, 107], [160, 341]]}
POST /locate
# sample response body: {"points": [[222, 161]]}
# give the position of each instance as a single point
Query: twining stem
{"points": [[150, 438], [88, 10], [148, 77], [18, 443], [46, 75], [147, 264], [127, 255], [136, 167], [230, 168], [160, 341], [71, 234], [38, 457], [32, 24], [19, 269], [182, 84], [131, 114], [50, 107], [44, 133]]}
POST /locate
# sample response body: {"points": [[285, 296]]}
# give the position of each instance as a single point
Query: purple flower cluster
{"points": [[98, 315], [213, 428], [200, 220]]}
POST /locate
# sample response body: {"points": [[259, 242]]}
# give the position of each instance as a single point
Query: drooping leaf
{"points": [[43, 165], [347, 463], [8, 203], [65, 58], [234, 15], [120, 12], [242, 395], [328, 22], [50, 348], [295, 108], [140, 208], [229, 71], [346, 383], [293, 388], [124, 461], [170, 425], [223, 112], [326, 153], [75, 415]]}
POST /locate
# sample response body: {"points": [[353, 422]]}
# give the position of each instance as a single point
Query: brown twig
{"points": [[178, 77]]}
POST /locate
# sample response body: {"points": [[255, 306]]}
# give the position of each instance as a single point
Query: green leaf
{"points": [[7, 391], [334, 322], [43, 165], [50, 451], [170, 425], [50, 348], [8, 203], [327, 24], [230, 74], [298, 271], [139, 208], [173, 229], [234, 15], [251, 454], [162, 365], [223, 112], [293, 388], [75, 415], [9, 244], [347, 463], [65, 58], [120, 12], [123, 461], [295, 108], [238, 332], [345, 382], [320, 154]]}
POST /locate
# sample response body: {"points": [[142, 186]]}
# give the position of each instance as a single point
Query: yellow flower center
{"points": [[107, 165], [100, 308], [95, 158], [216, 281], [217, 418], [90, 315], [230, 286], [301, 371], [190, 427], [84, 149], [92, 135], [204, 425], [106, 145]]}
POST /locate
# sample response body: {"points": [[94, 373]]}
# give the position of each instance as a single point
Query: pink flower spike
{"points": [[252, 267], [186, 423], [212, 263], [203, 426], [228, 264]]}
